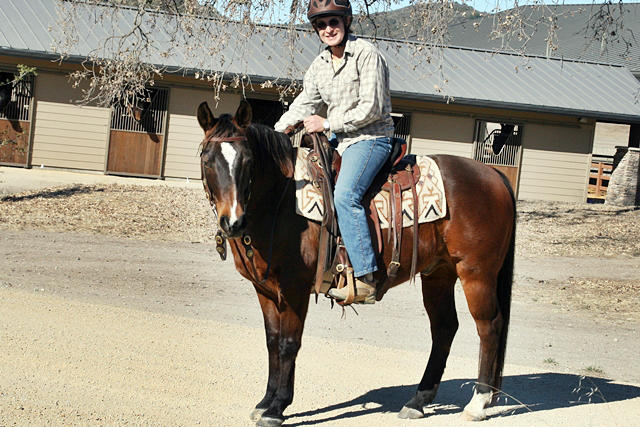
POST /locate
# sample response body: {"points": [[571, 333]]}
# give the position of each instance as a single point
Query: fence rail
{"points": [[599, 177]]}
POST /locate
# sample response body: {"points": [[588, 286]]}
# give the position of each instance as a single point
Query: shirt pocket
{"points": [[325, 88], [350, 90]]}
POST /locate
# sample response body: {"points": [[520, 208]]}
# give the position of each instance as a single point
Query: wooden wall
{"points": [[607, 136], [555, 162], [441, 134]]}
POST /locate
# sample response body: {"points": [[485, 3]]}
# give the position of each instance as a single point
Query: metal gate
{"points": [[16, 104], [137, 136], [499, 145]]}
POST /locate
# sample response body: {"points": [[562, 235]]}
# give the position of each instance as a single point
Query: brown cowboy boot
{"points": [[365, 291]]}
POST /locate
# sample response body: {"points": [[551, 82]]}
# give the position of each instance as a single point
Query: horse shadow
{"points": [[520, 394]]}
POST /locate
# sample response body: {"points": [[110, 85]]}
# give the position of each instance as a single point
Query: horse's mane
{"points": [[275, 145]]}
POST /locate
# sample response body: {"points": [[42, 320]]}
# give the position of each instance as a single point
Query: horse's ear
{"points": [[243, 114], [205, 117]]}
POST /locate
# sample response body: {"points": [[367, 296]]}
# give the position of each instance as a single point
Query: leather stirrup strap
{"points": [[396, 222], [351, 287], [321, 267]]}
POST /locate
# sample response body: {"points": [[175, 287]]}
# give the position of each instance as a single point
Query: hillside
{"points": [[399, 23]]}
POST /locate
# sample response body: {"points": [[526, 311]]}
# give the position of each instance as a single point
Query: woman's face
{"points": [[331, 30]]}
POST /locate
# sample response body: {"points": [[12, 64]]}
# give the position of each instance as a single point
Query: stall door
{"points": [[136, 140], [499, 145], [16, 100]]}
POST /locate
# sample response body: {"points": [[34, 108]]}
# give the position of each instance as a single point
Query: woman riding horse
{"points": [[351, 78]]}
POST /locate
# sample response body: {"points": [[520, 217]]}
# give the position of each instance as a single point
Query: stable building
{"points": [[531, 117]]}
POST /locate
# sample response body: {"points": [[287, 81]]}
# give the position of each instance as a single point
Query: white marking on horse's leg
{"points": [[474, 411], [229, 154], [256, 414], [413, 408]]}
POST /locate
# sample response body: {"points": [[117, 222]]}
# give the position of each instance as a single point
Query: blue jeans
{"points": [[361, 162]]}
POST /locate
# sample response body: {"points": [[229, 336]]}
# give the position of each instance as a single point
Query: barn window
{"points": [[402, 124], [146, 114], [15, 98], [497, 143]]}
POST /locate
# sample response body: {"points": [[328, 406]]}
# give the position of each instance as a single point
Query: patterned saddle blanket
{"points": [[431, 198]]}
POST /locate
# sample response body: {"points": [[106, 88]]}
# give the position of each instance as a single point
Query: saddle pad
{"points": [[431, 197]]}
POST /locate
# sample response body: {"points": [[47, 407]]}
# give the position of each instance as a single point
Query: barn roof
{"points": [[572, 32], [473, 77]]}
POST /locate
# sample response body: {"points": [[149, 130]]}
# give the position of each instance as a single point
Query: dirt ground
{"points": [[115, 309], [174, 214]]}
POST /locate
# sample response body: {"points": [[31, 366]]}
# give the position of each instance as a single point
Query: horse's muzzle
{"points": [[234, 229]]}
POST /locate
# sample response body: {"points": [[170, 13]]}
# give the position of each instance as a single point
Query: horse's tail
{"points": [[505, 282]]}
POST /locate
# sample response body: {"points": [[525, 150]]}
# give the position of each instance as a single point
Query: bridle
{"points": [[246, 240]]}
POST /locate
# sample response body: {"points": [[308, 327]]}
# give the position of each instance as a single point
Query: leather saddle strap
{"points": [[396, 222], [414, 254], [323, 248], [329, 224]]}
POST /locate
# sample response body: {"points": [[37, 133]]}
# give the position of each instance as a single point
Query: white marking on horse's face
{"points": [[229, 153]]}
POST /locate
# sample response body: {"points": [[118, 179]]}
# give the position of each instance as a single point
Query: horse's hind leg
{"points": [[480, 291], [438, 298]]}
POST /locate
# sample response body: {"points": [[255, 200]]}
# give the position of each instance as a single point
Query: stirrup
{"points": [[364, 293]]}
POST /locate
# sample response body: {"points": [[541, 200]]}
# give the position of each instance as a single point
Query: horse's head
{"points": [[226, 165], [6, 87]]}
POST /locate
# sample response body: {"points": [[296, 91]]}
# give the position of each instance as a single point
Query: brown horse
{"points": [[247, 172]]}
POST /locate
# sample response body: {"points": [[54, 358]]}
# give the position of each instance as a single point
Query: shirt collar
{"points": [[349, 48]]}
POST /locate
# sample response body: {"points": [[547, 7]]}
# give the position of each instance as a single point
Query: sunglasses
{"points": [[333, 22]]}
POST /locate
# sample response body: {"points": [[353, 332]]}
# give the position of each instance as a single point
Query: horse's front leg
{"points": [[272, 329], [283, 349]]}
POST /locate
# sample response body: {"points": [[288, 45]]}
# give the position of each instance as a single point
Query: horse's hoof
{"points": [[256, 414], [407, 413], [474, 416], [269, 422]]}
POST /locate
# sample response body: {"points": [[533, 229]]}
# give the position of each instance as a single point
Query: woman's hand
{"points": [[314, 123]]}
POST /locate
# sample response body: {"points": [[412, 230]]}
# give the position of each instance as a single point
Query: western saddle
{"points": [[399, 174]]}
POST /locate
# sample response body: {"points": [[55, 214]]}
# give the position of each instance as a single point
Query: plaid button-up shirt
{"points": [[356, 94]]}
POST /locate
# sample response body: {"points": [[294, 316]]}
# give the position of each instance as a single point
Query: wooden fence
{"points": [[601, 168]]}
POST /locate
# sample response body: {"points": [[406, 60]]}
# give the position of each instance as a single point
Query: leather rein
{"points": [[248, 261]]}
